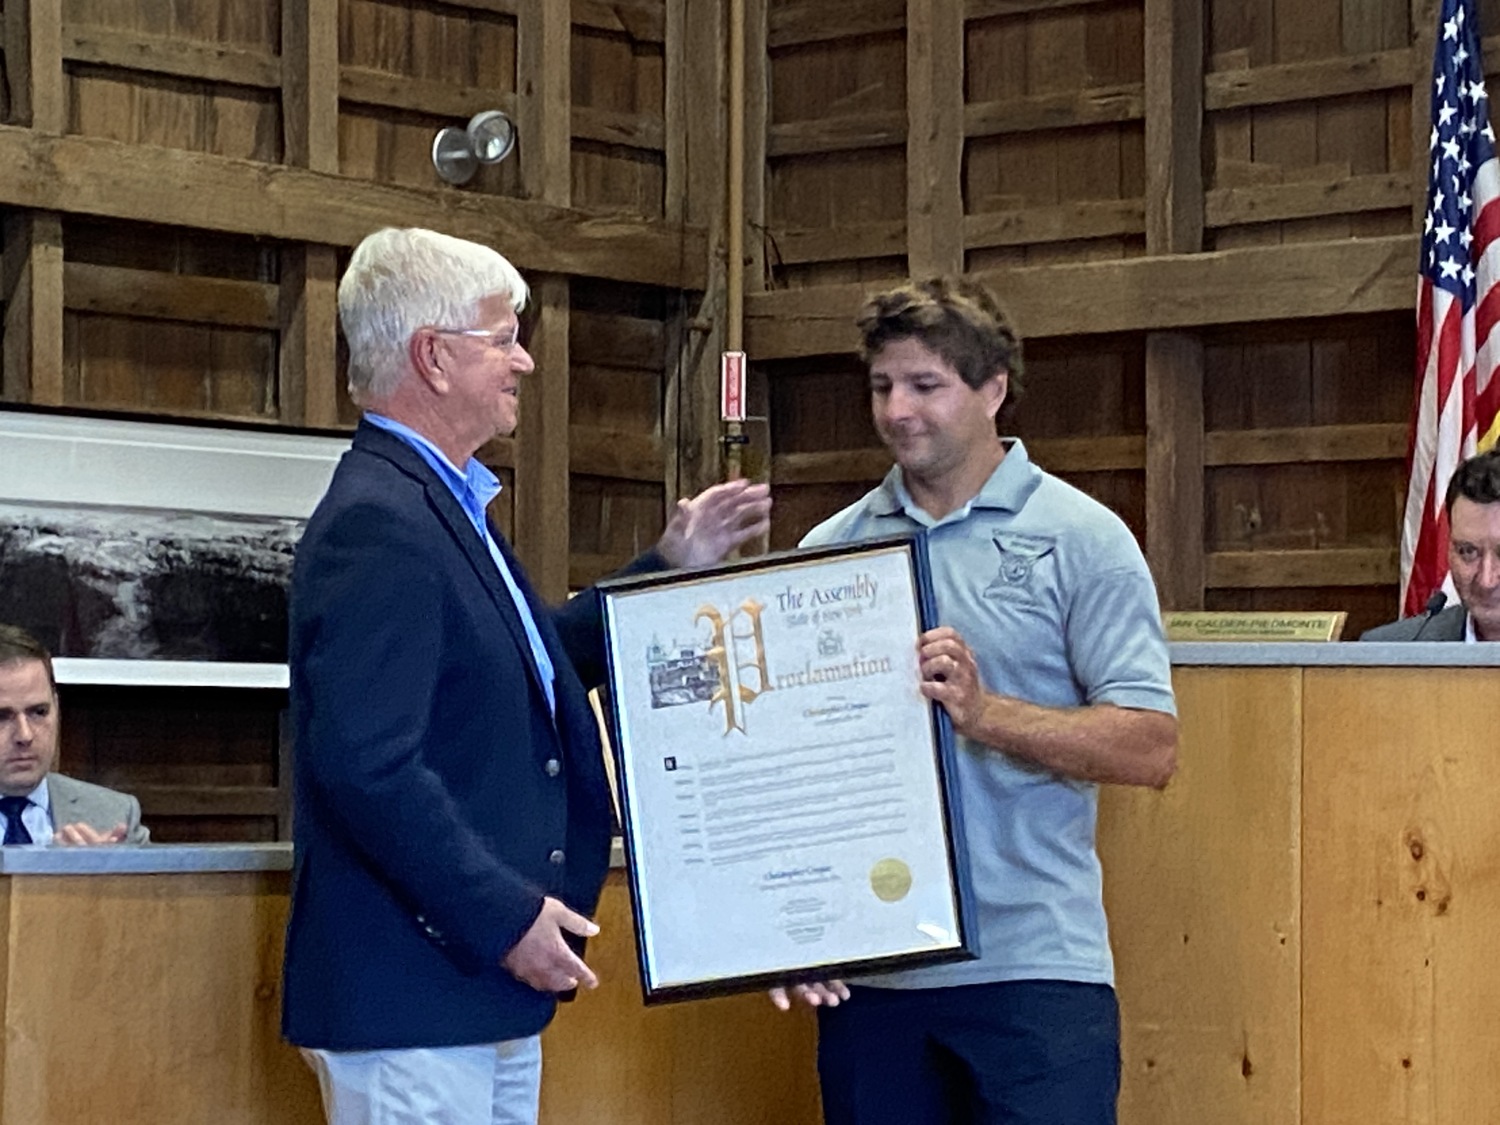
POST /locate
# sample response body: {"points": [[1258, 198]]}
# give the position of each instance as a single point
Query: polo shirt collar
{"points": [[1008, 488]]}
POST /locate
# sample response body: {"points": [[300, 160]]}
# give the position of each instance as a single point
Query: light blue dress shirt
{"points": [[474, 487]]}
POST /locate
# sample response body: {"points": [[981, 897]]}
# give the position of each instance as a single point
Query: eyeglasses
{"points": [[505, 340]]}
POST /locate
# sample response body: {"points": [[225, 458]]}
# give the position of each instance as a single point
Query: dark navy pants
{"points": [[1034, 1052]]}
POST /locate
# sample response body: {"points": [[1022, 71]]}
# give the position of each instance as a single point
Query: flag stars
{"points": [[1443, 232], [1450, 149], [1450, 29], [1450, 268], [1465, 238], [1468, 274], [1445, 114]]}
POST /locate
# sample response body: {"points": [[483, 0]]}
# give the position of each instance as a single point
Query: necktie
{"points": [[15, 831]]}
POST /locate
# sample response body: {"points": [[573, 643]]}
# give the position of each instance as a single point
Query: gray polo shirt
{"points": [[1050, 590]]}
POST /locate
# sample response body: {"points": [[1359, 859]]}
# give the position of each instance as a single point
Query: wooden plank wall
{"points": [[1201, 217], [181, 185]]}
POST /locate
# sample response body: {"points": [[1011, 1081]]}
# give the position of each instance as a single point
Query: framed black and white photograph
{"points": [[144, 541], [787, 792]]}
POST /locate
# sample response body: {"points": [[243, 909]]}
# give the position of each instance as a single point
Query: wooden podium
{"points": [[1304, 921], [141, 986], [1304, 925]]}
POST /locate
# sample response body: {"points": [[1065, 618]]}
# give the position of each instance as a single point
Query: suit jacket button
{"points": [[554, 767], [557, 856]]}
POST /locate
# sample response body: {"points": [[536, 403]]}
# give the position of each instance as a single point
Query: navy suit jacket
{"points": [[437, 800]]}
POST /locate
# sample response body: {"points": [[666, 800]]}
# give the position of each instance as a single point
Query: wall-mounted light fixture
{"points": [[457, 152]]}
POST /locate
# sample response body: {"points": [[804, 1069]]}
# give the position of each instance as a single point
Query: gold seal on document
{"points": [[890, 879]]}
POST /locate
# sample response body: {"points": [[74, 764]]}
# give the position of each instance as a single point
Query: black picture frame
{"points": [[678, 682]]}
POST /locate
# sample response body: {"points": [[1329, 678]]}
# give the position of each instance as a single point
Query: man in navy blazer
{"points": [[453, 817]]}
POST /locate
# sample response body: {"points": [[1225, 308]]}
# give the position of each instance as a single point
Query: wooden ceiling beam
{"points": [[1295, 281], [92, 176]]}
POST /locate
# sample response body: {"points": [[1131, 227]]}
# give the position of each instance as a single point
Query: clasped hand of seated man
{"points": [[81, 835]]}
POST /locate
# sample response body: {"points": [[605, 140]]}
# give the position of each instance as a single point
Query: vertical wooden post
{"points": [[1424, 14], [934, 137], [307, 379], [1174, 467], [546, 141], [756, 108], [1174, 126], [32, 286], [1174, 361], [697, 194], [755, 455], [32, 278]]}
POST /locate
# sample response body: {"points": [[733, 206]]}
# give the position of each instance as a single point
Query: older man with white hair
{"points": [[453, 818]]}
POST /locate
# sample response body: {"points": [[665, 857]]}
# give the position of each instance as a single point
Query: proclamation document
{"points": [[785, 787]]}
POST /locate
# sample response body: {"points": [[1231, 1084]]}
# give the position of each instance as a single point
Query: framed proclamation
{"points": [[787, 793]]}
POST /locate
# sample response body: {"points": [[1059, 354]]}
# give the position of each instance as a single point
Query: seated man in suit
{"points": [[38, 806], [1473, 505]]}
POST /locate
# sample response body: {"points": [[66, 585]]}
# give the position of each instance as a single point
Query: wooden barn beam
{"points": [[33, 242], [758, 140], [177, 58], [1241, 88], [31, 284], [1370, 441], [307, 368], [934, 137], [1174, 360], [307, 307], [154, 295], [1375, 441], [1174, 126], [1326, 566], [368, 86], [847, 133], [1272, 203], [987, 9], [91, 176], [641, 20], [1063, 222], [644, 131], [593, 452], [1128, 295], [1423, 18], [1174, 467], [697, 193], [542, 529], [821, 21], [856, 241], [1096, 105], [612, 453], [754, 458]]}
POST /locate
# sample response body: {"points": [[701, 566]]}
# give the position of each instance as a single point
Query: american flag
{"points": [[1458, 302]]}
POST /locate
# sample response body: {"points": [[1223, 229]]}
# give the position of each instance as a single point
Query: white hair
{"points": [[401, 280]]}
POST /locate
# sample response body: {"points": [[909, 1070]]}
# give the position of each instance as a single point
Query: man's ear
{"points": [[994, 389], [425, 352]]}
